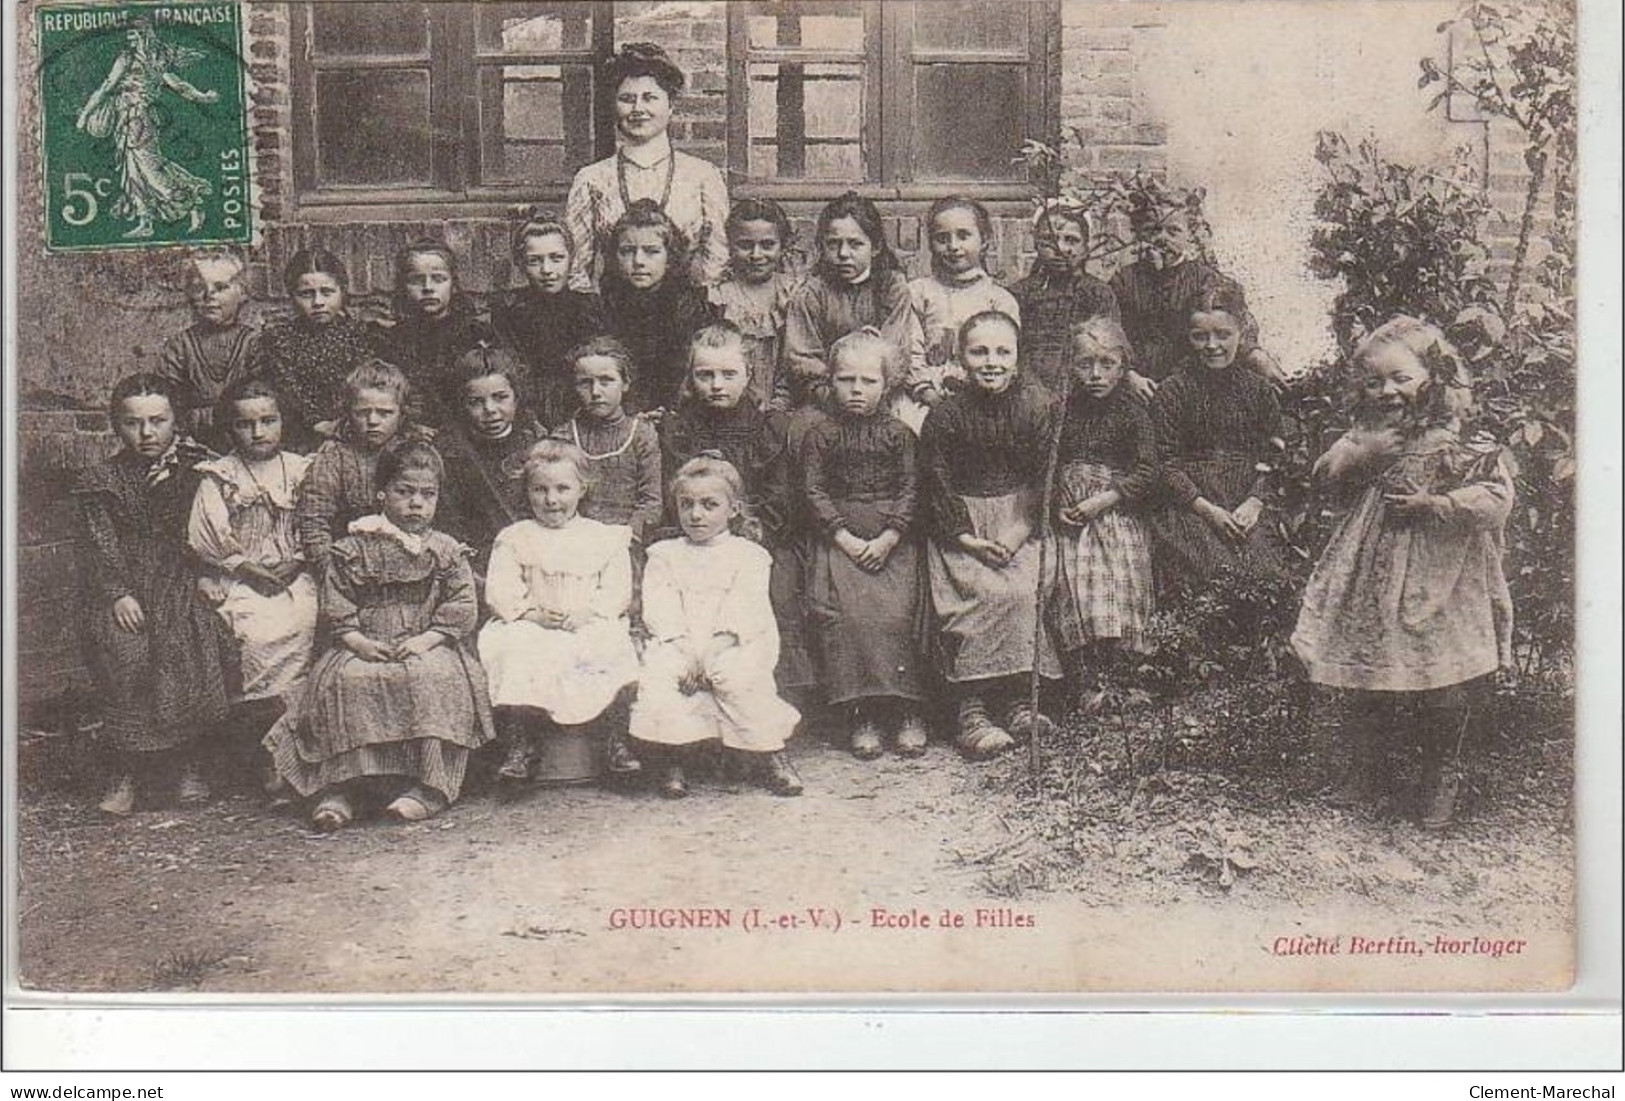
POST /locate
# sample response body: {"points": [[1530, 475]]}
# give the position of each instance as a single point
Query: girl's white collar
{"points": [[378, 524]]}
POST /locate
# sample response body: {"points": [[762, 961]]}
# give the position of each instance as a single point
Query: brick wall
{"points": [[52, 445], [1101, 101], [1508, 184]]}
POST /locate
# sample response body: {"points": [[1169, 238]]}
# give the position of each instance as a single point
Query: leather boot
{"points": [[619, 756], [979, 738], [514, 732], [1025, 724], [779, 776]]}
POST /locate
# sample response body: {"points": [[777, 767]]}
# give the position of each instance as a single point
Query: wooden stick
{"points": [[1046, 504]]}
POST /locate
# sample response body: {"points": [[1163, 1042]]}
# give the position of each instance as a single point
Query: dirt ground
{"points": [[1101, 875]]}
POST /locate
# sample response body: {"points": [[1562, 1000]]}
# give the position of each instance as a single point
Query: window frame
{"points": [[454, 63], [889, 116]]}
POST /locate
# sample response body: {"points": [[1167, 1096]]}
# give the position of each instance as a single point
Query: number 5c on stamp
{"points": [[144, 126]]}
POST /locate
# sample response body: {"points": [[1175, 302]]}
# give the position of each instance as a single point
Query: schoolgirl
{"points": [[339, 486], [755, 294], [865, 595], [1059, 294], [398, 701], [485, 450], [1408, 606], [621, 449], [856, 283], [544, 319], [1107, 468], [648, 302], [160, 654], [218, 348], [958, 233], [558, 648], [1215, 422], [254, 576], [308, 358], [982, 468], [434, 323], [707, 672]]}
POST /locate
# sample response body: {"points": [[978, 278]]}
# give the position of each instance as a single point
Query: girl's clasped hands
{"points": [[370, 649]]}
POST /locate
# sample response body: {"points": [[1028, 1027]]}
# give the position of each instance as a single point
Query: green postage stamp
{"points": [[144, 125]]}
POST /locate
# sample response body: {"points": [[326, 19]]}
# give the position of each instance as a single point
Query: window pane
{"points": [[372, 127], [354, 29], [834, 162], [952, 143], [533, 28], [971, 25], [809, 118], [836, 25], [535, 121]]}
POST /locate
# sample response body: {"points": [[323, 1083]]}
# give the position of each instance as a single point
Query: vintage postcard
{"points": [[802, 497]]}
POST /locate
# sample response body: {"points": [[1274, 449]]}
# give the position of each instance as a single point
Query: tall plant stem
{"points": [[1046, 507], [1526, 227]]}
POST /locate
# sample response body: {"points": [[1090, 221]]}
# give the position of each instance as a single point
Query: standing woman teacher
{"points": [[645, 166]]}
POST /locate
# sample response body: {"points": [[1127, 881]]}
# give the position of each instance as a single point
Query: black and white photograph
{"points": [[557, 498]]}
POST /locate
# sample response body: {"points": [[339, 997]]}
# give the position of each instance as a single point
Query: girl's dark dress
{"points": [[1213, 430], [541, 328], [484, 490], [165, 684], [1156, 305], [427, 352], [1051, 303], [859, 474], [656, 326], [982, 473], [755, 443], [204, 360], [337, 491], [623, 454], [308, 365]]}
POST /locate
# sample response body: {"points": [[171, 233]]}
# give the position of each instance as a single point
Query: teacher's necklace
{"points": [[620, 175]]}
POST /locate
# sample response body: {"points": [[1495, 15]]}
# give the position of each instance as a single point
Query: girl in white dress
{"points": [[558, 649], [713, 640], [242, 527]]}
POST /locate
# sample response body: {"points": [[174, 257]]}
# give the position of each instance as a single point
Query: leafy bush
{"points": [[1123, 209]]}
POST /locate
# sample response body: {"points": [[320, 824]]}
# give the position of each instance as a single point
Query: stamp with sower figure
{"points": [[143, 126]]}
